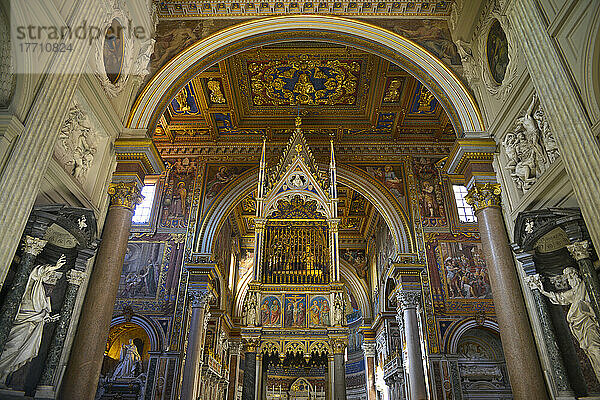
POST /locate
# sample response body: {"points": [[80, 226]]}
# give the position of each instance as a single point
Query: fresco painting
{"points": [[465, 269], [318, 312], [141, 270]]}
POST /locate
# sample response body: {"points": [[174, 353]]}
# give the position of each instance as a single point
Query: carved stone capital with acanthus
{"points": [[369, 349], [484, 195], [199, 298], [339, 345], [33, 245], [408, 299], [124, 194], [579, 250]]}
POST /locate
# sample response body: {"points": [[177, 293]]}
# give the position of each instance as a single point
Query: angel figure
{"points": [[581, 317], [25, 335]]}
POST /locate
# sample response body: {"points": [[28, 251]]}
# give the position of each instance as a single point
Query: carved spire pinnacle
{"points": [[296, 147]]}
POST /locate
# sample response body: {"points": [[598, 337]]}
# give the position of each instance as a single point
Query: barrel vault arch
{"points": [[433, 73]]}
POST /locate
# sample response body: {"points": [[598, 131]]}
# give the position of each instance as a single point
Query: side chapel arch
{"points": [[433, 73]]}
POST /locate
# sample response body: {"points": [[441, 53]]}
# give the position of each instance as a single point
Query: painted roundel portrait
{"points": [[497, 52], [113, 51]]}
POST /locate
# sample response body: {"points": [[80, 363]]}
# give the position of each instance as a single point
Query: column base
{"points": [[45, 392], [9, 394]]}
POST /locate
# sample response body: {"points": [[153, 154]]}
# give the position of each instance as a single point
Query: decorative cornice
{"points": [[33, 245], [484, 195], [579, 250], [124, 194], [214, 9]]}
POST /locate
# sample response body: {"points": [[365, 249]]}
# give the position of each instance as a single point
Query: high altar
{"points": [[295, 306]]}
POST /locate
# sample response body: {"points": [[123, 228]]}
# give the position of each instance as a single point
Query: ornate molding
{"points": [[409, 299], [124, 194], [492, 13], [579, 250], [33, 245], [484, 195]]}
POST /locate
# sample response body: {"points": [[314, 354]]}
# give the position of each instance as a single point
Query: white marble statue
{"points": [[581, 318], [338, 309], [129, 360], [26, 334], [251, 315]]}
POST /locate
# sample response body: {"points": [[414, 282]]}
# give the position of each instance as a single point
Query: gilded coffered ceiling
{"points": [[341, 92]]}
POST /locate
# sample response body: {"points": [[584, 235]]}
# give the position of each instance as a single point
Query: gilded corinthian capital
{"points": [[124, 194], [484, 195]]}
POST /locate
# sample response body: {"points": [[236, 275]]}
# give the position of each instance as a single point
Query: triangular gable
{"points": [[292, 179], [296, 146]]}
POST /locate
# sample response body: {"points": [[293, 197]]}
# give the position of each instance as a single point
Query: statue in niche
{"points": [[581, 318], [25, 335], [531, 147], [338, 309], [130, 361], [250, 306]]}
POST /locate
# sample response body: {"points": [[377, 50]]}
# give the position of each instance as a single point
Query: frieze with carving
{"points": [[531, 147]]}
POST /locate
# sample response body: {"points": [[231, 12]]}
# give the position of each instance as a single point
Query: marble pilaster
{"points": [[198, 300], [339, 369], [32, 246], [408, 301], [580, 251], [561, 100], [26, 164], [370, 352], [515, 332], [83, 370]]}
